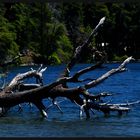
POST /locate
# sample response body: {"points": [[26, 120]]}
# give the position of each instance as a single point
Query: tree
{"points": [[72, 16], [78, 95], [31, 27], [53, 38], [8, 45]]}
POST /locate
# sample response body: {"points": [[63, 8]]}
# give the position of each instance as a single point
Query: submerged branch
{"points": [[109, 73]]}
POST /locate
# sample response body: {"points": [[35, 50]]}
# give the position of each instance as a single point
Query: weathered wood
{"points": [[33, 73], [76, 56], [50, 91], [109, 73], [35, 93]]}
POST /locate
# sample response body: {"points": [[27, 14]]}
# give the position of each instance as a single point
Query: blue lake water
{"points": [[124, 86]]}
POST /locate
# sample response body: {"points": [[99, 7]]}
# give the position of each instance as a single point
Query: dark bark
{"points": [[77, 53], [78, 95], [53, 91]]}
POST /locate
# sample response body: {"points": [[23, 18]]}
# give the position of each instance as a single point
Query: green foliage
{"points": [[65, 49], [51, 31], [8, 45], [119, 58], [55, 40], [53, 59]]}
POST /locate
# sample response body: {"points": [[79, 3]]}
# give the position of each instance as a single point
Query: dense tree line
{"points": [[49, 32]]}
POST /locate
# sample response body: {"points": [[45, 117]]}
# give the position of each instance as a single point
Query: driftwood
{"points": [[18, 85], [18, 92], [54, 90]]}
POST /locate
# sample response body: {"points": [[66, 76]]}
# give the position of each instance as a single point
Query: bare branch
{"points": [[106, 75], [123, 104], [33, 73], [53, 91], [79, 73], [35, 93], [79, 49]]}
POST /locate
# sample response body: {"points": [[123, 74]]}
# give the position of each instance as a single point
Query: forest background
{"points": [[48, 33]]}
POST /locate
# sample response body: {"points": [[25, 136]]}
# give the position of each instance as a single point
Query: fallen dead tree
{"points": [[17, 92]]}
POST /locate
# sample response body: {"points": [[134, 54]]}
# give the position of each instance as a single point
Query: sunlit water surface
{"points": [[29, 122]]}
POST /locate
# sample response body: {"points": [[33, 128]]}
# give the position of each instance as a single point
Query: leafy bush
{"points": [[119, 58]]}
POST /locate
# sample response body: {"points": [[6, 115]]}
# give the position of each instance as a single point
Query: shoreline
{"points": [[108, 62]]}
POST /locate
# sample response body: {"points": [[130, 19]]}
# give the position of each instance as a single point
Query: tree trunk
{"points": [[16, 92]]}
